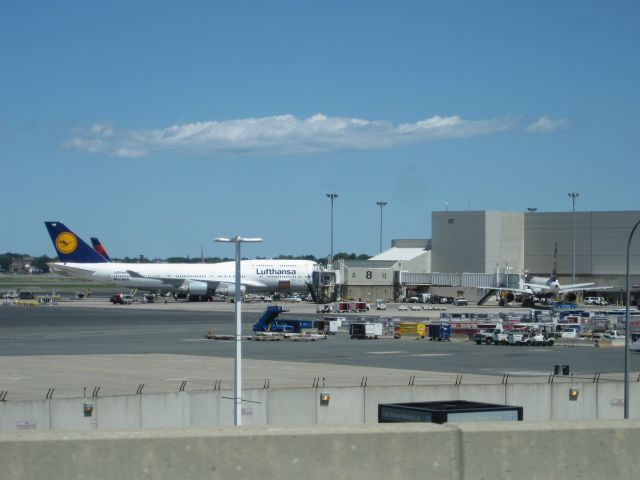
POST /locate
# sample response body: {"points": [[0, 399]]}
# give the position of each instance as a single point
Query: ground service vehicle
{"points": [[439, 331], [519, 338], [121, 299], [569, 333], [539, 339], [484, 336]]}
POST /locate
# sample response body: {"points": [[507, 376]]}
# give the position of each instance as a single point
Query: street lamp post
{"points": [[237, 390], [627, 332], [381, 205], [573, 196], [332, 197]]}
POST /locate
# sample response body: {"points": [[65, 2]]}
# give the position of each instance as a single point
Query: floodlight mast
{"points": [[381, 204], [237, 390]]}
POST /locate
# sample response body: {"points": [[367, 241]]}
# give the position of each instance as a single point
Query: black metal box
{"points": [[447, 411]]}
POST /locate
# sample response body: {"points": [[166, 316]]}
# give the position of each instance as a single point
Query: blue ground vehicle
{"points": [[439, 331]]}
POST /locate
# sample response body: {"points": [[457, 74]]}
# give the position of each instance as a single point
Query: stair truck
{"points": [[269, 322]]}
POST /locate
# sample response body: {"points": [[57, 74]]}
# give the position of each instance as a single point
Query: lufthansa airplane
{"points": [[79, 259]]}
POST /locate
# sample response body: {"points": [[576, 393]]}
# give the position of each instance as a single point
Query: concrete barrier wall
{"points": [[302, 406], [536, 397], [466, 451]]}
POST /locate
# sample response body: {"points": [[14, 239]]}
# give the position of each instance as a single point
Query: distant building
{"points": [[478, 241], [22, 265]]}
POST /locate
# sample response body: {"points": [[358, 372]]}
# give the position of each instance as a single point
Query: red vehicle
{"points": [[121, 299]]}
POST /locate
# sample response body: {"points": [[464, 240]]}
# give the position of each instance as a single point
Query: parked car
{"points": [[461, 301], [380, 305]]}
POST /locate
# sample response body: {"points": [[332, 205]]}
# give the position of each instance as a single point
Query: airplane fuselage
{"points": [[256, 275]]}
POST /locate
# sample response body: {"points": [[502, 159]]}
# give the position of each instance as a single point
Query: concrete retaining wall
{"points": [[467, 451], [302, 406]]}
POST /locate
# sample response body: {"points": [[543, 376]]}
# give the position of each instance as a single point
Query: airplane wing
{"points": [[213, 284], [579, 287], [537, 285], [517, 290]]}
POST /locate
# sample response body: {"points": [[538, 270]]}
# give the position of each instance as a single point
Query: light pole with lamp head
{"points": [[237, 390], [381, 205], [573, 196], [627, 332], [332, 197]]}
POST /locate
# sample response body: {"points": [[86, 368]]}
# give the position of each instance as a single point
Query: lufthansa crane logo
{"points": [[66, 242]]}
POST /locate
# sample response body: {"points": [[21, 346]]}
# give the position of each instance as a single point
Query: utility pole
{"points": [[573, 196], [381, 205], [332, 197]]}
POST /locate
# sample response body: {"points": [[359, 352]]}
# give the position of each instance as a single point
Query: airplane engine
{"points": [[569, 297], [229, 289], [194, 287], [508, 297]]}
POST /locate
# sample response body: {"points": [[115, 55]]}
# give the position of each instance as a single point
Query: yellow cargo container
{"points": [[415, 329]]}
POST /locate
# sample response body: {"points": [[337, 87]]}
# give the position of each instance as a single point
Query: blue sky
{"points": [[158, 126]]}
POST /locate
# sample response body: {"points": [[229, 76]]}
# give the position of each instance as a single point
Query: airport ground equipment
{"points": [[484, 336], [359, 306], [269, 322], [519, 338], [365, 330], [439, 331], [540, 339], [342, 307], [410, 329]]}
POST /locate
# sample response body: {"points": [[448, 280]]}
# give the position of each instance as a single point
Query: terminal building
{"points": [[472, 251]]}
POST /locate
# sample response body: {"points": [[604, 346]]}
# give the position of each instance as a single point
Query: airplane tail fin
{"points": [[554, 265], [70, 247], [97, 246]]}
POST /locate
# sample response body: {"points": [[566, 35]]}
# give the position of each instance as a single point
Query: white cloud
{"points": [[281, 135], [547, 125]]}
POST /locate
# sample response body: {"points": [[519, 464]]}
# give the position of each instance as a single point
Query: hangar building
{"points": [[487, 248]]}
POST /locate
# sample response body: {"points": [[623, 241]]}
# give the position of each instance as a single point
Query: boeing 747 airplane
{"points": [[79, 259]]}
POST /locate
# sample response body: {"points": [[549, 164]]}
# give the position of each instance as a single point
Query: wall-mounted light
{"points": [[573, 394], [325, 398]]}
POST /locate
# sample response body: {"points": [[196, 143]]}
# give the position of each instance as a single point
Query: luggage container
{"points": [[410, 329], [365, 330], [439, 331], [343, 307]]}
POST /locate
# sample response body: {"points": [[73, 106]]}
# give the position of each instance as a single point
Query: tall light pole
{"points": [[627, 331], [381, 205], [573, 196], [532, 209], [237, 389], [331, 196]]}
